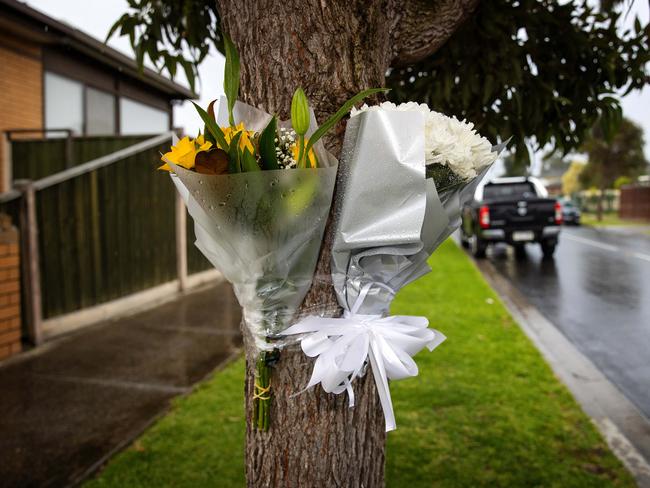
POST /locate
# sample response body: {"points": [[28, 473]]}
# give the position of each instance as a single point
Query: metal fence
{"points": [[99, 231]]}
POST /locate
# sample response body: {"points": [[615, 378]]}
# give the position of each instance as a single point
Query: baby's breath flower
{"points": [[284, 148]]}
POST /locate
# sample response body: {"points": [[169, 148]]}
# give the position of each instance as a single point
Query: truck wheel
{"points": [[520, 251], [548, 248], [479, 246]]}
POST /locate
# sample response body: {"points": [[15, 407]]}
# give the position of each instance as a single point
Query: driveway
{"points": [[597, 292], [68, 405]]}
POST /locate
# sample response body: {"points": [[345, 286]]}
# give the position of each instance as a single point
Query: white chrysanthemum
{"points": [[447, 140]]}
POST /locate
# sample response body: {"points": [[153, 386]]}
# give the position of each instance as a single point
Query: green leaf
{"points": [[345, 108], [231, 76], [234, 155], [116, 26], [248, 162], [300, 112], [267, 145], [213, 128], [139, 57], [189, 68], [302, 160], [206, 132]]}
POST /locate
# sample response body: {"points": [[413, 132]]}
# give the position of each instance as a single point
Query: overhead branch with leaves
{"points": [[173, 35], [538, 70]]}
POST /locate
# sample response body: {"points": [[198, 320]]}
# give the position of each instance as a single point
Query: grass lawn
{"points": [[485, 410], [609, 219]]}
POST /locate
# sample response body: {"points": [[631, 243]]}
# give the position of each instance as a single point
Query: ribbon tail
{"points": [[381, 381], [350, 390]]}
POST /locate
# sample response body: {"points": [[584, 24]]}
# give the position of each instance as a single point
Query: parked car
{"points": [[511, 210], [570, 213]]}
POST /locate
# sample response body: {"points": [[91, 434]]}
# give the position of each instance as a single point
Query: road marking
{"points": [[641, 256], [607, 247], [589, 242]]}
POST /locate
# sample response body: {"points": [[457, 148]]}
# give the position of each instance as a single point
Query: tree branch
{"points": [[423, 26]]}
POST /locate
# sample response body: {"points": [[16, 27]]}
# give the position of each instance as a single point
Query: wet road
{"points": [[596, 290]]}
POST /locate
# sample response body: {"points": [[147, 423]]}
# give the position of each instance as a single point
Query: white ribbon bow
{"points": [[342, 345]]}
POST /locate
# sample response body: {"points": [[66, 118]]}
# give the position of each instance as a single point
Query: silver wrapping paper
{"points": [[262, 230], [391, 218]]}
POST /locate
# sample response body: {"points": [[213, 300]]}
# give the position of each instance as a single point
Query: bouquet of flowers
{"points": [[259, 191], [408, 172]]}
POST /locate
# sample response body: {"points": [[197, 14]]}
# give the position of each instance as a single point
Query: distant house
{"points": [[56, 77]]}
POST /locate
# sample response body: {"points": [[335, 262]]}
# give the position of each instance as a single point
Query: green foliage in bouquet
{"points": [[444, 176], [234, 149]]}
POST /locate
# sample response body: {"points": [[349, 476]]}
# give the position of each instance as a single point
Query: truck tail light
{"points": [[484, 217], [558, 213]]}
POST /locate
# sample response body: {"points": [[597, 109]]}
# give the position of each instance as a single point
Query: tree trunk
{"points": [[332, 49], [599, 203]]}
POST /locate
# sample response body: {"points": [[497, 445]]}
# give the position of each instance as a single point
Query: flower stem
{"points": [[262, 388], [301, 151]]}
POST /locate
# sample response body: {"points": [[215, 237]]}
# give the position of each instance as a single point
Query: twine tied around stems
{"points": [[260, 392]]}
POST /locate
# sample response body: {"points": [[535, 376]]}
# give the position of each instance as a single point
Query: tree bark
{"points": [[599, 204], [423, 26], [332, 49]]}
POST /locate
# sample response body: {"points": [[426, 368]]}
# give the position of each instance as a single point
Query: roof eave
{"points": [[95, 49]]}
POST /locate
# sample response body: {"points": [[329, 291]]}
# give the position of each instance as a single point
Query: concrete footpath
{"points": [[66, 407], [624, 427]]}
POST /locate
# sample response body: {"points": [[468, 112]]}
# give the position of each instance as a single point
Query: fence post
{"points": [[68, 150], [30, 262], [5, 159], [181, 242]]}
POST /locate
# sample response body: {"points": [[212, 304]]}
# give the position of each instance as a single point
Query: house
{"points": [[57, 81], [56, 77]]}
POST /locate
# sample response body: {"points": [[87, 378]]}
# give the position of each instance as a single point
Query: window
{"points": [[138, 118], [63, 103], [100, 112], [85, 110], [507, 191]]}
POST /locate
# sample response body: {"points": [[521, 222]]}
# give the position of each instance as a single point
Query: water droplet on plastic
{"points": [[222, 204], [211, 207], [200, 182]]}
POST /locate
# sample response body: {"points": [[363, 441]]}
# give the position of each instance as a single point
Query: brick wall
{"points": [[21, 91], [10, 330]]}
